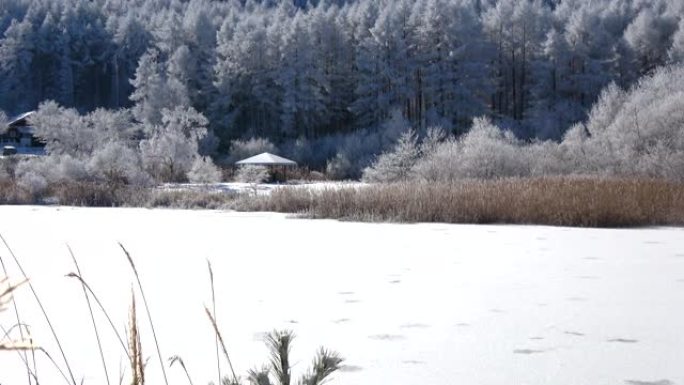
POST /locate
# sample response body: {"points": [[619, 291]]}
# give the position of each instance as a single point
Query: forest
{"points": [[165, 86]]}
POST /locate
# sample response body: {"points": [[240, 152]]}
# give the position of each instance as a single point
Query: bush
{"points": [[340, 167], [204, 171], [396, 165], [34, 183], [252, 174], [96, 194], [186, 199]]}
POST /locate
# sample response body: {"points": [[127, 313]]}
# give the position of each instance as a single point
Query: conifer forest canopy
{"points": [[284, 70]]}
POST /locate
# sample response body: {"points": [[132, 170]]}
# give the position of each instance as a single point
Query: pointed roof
{"points": [[267, 159], [20, 118]]}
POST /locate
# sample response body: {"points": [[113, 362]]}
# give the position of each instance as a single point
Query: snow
{"points": [[262, 188], [405, 304]]}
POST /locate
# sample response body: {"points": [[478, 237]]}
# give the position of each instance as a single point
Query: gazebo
{"points": [[276, 164]]}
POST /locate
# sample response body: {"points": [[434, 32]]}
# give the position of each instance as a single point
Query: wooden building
{"points": [[19, 133]]}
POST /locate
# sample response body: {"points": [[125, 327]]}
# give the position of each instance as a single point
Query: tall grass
{"points": [[566, 201], [147, 310], [92, 317], [42, 309], [325, 363]]}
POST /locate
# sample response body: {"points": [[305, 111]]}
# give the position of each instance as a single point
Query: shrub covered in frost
{"points": [[204, 171], [397, 164], [252, 174]]}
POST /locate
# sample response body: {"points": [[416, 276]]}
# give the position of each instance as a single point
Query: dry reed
{"points": [[213, 305], [42, 309], [223, 345], [92, 316], [180, 361], [147, 310], [567, 201], [134, 346]]}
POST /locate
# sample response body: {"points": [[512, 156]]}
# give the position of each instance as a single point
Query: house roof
{"points": [[267, 159], [19, 118]]}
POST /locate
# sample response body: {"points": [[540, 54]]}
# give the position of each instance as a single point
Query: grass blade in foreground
{"points": [[92, 316], [42, 309], [147, 309]]}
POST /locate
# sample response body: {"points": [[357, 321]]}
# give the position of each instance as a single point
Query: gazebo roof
{"points": [[267, 159]]}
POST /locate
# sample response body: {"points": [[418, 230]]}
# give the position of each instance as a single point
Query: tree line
{"points": [[287, 71]]}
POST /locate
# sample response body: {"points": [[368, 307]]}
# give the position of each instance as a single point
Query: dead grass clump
{"points": [[97, 194], [283, 199], [562, 201], [189, 199], [12, 194]]}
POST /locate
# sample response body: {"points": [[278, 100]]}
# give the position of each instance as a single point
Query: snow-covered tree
{"points": [[395, 165], [170, 153]]}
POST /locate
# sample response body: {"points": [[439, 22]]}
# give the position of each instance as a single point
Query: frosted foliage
{"points": [[648, 35], [395, 165], [335, 83], [168, 155], [68, 132], [4, 173], [606, 108], [440, 164], [30, 179], [282, 70], [647, 134], [576, 152], [252, 174], [117, 163], [676, 53], [340, 167], [488, 152], [433, 137], [241, 149], [204, 171]]}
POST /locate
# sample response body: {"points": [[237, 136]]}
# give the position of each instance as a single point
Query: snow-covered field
{"points": [[405, 304]]}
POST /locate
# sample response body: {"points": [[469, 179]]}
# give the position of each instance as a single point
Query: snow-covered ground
{"points": [[261, 188], [405, 304]]}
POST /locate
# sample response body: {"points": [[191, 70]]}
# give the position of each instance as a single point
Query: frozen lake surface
{"points": [[404, 304]]}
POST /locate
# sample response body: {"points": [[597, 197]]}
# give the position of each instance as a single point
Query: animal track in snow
{"points": [[623, 340], [660, 382], [414, 326], [387, 337], [527, 351]]}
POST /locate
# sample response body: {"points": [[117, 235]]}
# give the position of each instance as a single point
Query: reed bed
{"points": [[566, 201]]}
